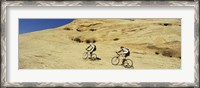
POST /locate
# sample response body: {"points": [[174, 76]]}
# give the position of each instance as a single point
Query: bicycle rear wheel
{"points": [[85, 55], [94, 56], [129, 63], [115, 61]]}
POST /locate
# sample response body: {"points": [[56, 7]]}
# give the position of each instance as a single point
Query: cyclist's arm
{"points": [[87, 48], [119, 51], [92, 46]]}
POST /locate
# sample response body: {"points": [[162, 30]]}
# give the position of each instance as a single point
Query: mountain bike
{"points": [[86, 55], [115, 61]]}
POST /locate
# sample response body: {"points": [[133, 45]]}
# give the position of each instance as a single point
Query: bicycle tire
{"points": [[94, 56], [115, 61], [129, 63], [85, 55]]}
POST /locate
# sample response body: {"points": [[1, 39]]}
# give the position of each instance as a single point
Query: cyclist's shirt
{"points": [[92, 47], [124, 50]]}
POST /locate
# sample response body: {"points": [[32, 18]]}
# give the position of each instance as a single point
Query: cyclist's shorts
{"points": [[128, 54], [94, 49]]}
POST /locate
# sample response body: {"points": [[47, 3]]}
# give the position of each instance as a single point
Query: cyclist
{"points": [[125, 52], [91, 48]]}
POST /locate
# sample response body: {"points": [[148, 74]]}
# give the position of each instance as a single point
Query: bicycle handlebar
{"points": [[118, 53]]}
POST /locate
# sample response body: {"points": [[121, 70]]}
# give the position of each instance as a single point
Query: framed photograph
{"points": [[99, 43]]}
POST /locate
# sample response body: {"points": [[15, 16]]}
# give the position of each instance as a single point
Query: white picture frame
{"points": [[7, 73]]}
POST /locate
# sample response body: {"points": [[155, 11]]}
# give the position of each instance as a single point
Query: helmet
{"points": [[121, 47]]}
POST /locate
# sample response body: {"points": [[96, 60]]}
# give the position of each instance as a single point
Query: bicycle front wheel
{"points": [[115, 61], [129, 63], [85, 55]]}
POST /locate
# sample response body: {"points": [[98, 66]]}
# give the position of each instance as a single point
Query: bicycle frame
{"points": [[118, 55]]}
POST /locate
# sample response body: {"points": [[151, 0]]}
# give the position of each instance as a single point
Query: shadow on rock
{"points": [[129, 67], [95, 59], [98, 58]]}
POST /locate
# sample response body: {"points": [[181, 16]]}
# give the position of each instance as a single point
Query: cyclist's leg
{"points": [[91, 52], [124, 60]]}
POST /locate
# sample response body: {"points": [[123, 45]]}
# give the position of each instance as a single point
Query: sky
{"points": [[31, 25]]}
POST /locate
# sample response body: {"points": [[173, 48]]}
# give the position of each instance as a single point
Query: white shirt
{"points": [[92, 45], [124, 50]]}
